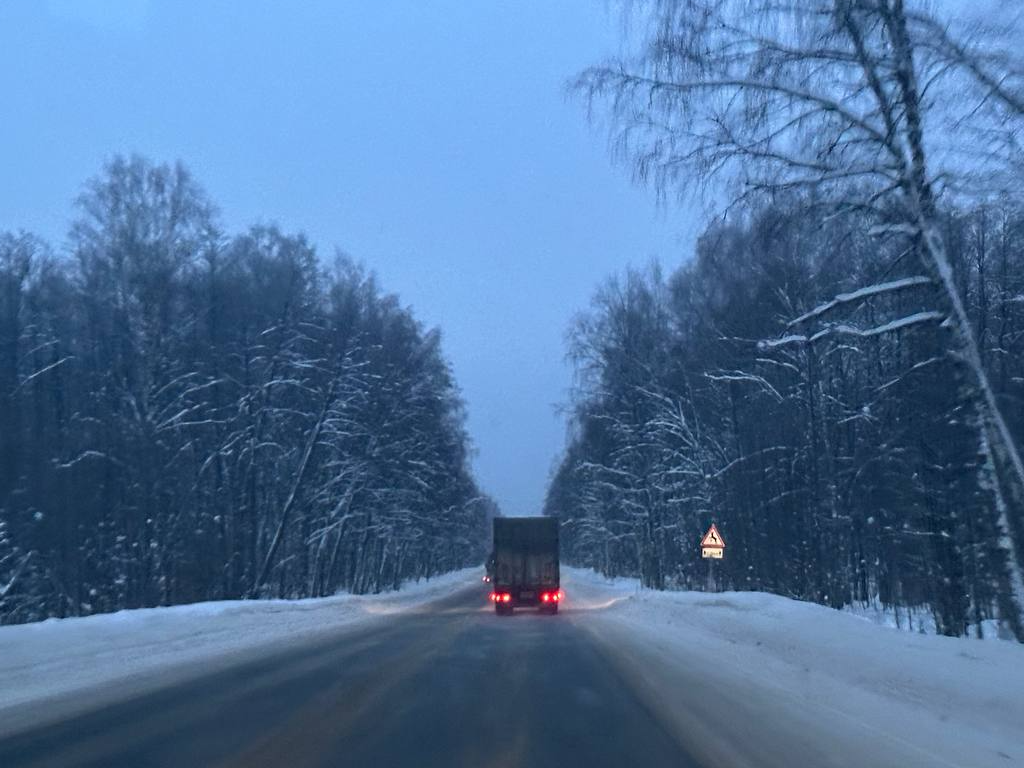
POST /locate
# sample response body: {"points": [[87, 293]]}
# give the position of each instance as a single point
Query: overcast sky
{"points": [[431, 141]]}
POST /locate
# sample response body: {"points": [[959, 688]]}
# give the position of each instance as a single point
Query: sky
{"points": [[433, 142]]}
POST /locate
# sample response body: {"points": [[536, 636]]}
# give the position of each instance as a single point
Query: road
{"points": [[450, 684]]}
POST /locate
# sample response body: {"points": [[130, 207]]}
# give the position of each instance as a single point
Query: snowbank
{"points": [[838, 683], [52, 658]]}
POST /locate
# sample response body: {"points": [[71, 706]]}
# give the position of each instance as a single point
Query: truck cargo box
{"points": [[525, 563]]}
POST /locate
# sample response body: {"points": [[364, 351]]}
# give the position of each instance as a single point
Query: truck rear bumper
{"points": [[522, 597]]}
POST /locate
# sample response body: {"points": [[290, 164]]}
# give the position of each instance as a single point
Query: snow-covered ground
{"points": [[921, 620], [758, 669], [50, 659], [746, 679]]}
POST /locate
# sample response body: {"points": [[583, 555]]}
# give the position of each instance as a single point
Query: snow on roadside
{"points": [[950, 701], [921, 620], [60, 656]]}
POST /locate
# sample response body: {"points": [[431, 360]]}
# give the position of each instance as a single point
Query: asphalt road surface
{"points": [[450, 684]]}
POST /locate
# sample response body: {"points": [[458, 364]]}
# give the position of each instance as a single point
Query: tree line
{"points": [[187, 415], [835, 378], [822, 426]]}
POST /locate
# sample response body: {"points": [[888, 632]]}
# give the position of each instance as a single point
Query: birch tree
{"points": [[189, 415], [880, 106], [838, 454]]}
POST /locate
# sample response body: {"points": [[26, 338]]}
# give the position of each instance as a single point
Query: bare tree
{"points": [[879, 106], [187, 416]]}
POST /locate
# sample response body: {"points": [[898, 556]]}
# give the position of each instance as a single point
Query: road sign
{"points": [[713, 538], [712, 546]]}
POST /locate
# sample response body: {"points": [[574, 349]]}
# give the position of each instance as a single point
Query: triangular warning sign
{"points": [[712, 539]]}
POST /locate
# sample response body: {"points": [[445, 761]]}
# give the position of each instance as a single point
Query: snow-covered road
{"points": [[729, 679]]}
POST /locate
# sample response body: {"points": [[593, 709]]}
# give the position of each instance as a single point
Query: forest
{"points": [[191, 415], [829, 439], [836, 377]]}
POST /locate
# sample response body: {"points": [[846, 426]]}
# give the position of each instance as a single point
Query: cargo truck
{"points": [[524, 564]]}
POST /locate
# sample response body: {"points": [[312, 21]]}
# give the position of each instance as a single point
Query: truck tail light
{"points": [[506, 598]]}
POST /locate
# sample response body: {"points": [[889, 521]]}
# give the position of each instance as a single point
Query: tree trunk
{"points": [[997, 444], [300, 476]]}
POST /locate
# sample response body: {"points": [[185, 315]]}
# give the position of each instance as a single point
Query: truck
{"points": [[524, 564]]}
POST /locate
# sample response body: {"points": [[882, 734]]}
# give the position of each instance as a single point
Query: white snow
{"points": [[129, 649], [917, 619], [746, 679], [862, 293], [894, 325], [749, 668], [842, 329]]}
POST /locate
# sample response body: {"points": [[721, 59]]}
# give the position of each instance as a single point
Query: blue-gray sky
{"points": [[431, 141]]}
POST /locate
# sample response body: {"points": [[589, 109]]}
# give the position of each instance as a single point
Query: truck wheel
{"points": [[552, 609], [502, 610]]}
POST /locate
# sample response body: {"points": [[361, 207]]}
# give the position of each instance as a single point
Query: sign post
{"points": [[712, 547]]}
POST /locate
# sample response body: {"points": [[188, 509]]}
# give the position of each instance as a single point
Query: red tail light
{"points": [[506, 598]]}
